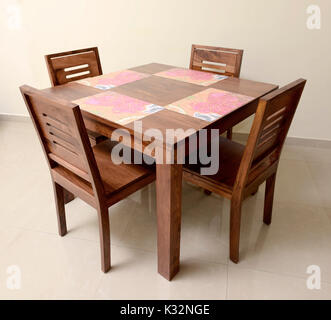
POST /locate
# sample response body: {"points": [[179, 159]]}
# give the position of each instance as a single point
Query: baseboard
{"points": [[14, 117], [294, 141]]}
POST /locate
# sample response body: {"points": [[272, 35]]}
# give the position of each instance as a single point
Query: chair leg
{"points": [[235, 219], [104, 232], [207, 192], [68, 196], [269, 198], [255, 191], [60, 210], [229, 134]]}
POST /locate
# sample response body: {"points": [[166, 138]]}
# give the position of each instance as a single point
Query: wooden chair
{"points": [[74, 65], [223, 61], [243, 168], [67, 66], [88, 173]]}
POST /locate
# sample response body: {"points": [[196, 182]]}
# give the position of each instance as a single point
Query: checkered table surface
{"points": [[132, 94]]}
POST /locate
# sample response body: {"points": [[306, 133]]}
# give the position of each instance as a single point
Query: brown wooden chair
{"points": [[223, 61], [243, 168], [87, 172], [74, 65]]}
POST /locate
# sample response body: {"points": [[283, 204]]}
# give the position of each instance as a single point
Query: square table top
{"points": [[161, 96]]}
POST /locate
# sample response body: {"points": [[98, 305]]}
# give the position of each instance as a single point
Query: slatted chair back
{"points": [[224, 61], [74, 65], [272, 121], [63, 135]]}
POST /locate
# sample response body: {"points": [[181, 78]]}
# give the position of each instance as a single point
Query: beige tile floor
{"points": [[274, 259]]}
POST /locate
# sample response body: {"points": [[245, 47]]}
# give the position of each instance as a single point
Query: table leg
{"points": [[169, 203]]}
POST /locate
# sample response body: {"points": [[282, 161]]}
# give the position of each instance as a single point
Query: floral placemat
{"points": [[113, 79], [192, 76], [116, 107], [210, 104]]}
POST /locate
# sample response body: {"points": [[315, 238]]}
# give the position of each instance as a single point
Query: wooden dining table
{"points": [[163, 97]]}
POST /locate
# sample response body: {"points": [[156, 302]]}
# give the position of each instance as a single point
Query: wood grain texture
{"points": [[243, 169], [246, 87], [218, 60], [72, 91], [57, 66], [87, 173], [163, 91], [152, 68], [58, 63], [269, 198], [169, 195], [158, 90], [60, 211], [225, 61]]}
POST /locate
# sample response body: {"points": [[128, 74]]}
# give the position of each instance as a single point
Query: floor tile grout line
{"points": [[279, 273], [80, 239], [194, 259], [203, 260], [113, 245], [261, 198], [320, 198], [132, 247], [297, 203]]}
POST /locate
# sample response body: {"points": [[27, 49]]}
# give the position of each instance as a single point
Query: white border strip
{"points": [[293, 141], [14, 117]]}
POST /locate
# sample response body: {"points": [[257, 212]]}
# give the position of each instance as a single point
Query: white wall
{"points": [[278, 46]]}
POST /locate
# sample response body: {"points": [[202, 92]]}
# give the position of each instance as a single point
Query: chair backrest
{"points": [[63, 135], [224, 61], [272, 121], [74, 65]]}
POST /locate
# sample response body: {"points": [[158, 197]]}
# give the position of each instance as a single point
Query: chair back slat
{"points": [[62, 133], [73, 65], [51, 132], [51, 120], [216, 60], [272, 121], [277, 118]]}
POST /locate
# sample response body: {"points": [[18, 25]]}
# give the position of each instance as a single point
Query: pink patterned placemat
{"points": [[113, 79], [210, 104], [192, 76], [116, 107]]}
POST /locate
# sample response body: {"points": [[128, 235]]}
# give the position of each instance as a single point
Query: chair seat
{"points": [[114, 177], [118, 177], [230, 155], [95, 137]]}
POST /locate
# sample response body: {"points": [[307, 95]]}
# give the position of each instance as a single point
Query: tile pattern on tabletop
{"points": [[192, 76], [116, 107], [210, 104], [247, 87], [152, 68], [158, 90], [72, 91], [113, 79]]}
